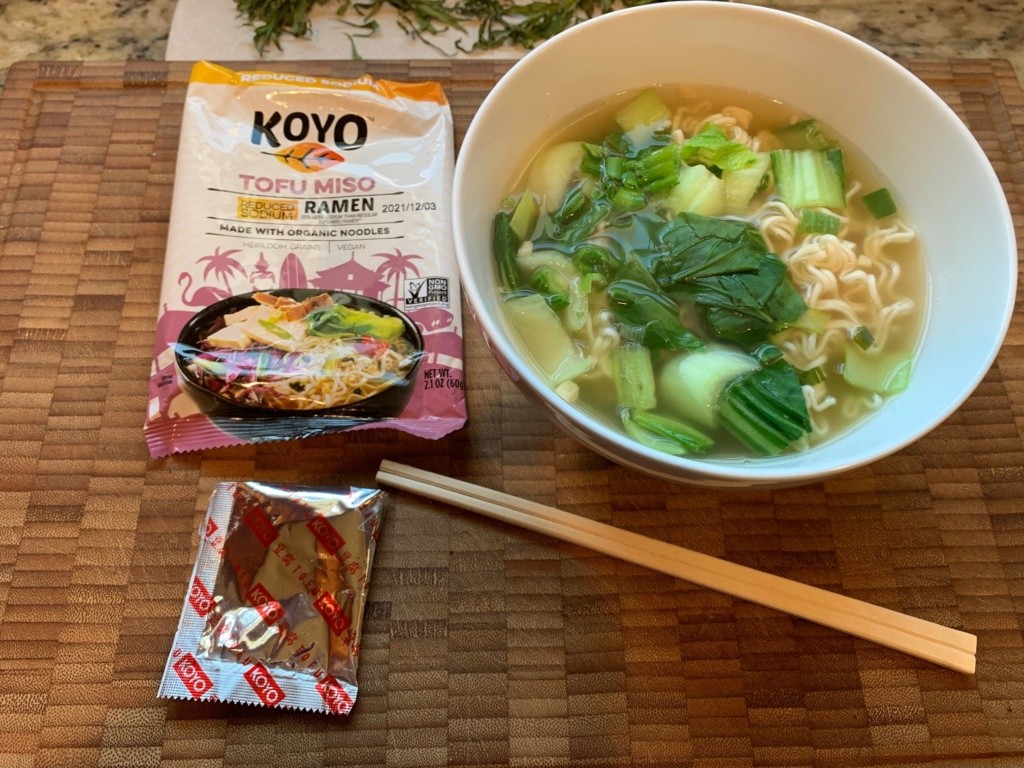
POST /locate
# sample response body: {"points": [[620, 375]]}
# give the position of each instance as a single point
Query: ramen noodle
{"points": [[309, 284], [280, 353]]}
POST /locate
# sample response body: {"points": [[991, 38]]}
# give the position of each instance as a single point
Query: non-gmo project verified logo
{"points": [[424, 291]]}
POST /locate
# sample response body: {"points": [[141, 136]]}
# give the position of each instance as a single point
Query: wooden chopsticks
{"points": [[939, 644]]}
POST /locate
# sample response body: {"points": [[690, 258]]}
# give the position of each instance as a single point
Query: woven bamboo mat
{"points": [[485, 645]]}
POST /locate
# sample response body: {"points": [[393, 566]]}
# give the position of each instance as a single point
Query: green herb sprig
{"points": [[501, 22]]}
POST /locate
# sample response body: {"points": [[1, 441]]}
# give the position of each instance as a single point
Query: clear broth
{"points": [[597, 395]]}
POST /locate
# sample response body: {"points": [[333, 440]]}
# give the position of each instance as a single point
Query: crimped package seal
{"points": [[274, 609]]}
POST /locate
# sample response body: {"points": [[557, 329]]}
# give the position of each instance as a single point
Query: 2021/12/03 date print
{"points": [[408, 207]]}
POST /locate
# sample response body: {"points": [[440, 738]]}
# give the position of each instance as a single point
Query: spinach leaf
{"points": [[656, 314], [724, 267]]}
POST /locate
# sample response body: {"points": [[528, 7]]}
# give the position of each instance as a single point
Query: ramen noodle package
{"points": [[309, 284], [274, 610]]}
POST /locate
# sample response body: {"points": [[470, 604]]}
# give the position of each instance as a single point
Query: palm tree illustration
{"points": [[396, 267], [222, 266]]}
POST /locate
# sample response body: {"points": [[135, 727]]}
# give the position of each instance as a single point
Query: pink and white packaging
{"points": [[293, 183]]}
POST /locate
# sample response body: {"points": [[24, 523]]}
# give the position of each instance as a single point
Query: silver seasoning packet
{"points": [[275, 606]]}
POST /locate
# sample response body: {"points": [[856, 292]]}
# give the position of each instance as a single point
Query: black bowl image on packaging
{"points": [[300, 352]]}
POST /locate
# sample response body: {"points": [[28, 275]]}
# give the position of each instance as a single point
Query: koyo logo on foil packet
{"points": [[192, 676], [332, 612], [199, 598], [326, 533], [268, 608], [261, 525], [334, 695], [264, 685]]}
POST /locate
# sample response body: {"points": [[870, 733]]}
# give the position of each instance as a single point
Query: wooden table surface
{"points": [[484, 645]]}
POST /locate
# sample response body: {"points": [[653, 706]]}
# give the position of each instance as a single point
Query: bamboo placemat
{"points": [[485, 645]]}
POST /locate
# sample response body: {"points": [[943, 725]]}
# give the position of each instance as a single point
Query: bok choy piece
{"points": [[690, 384], [558, 276], [713, 148], [883, 374], [553, 171], [505, 244], [807, 178], [766, 408], [664, 434], [545, 339], [804, 134], [524, 216], [658, 315], [818, 222], [643, 115], [633, 374], [741, 184], [698, 190]]}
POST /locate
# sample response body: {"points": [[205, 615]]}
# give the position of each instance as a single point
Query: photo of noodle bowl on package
{"points": [[309, 284], [298, 351]]}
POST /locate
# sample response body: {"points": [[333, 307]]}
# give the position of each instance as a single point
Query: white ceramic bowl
{"points": [[943, 180]]}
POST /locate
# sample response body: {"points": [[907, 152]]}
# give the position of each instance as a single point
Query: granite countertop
{"points": [[138, 29]]}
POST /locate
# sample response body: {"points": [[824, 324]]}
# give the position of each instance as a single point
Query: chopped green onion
{"points": [[590, 164], [863, 338], [573, 204], [558, 301], [589, 257], [615, 166], [629, 200], [591, 281], [767, 353], [277, 330], [880, 203], [549, 280], [215, 367], [818, 222]]}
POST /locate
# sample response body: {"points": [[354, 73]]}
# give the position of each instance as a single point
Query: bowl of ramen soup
{"points": [[731, 246], [300, 352]]}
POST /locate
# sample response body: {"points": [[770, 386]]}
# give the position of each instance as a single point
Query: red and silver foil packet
{"points": [[274, 610]]}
